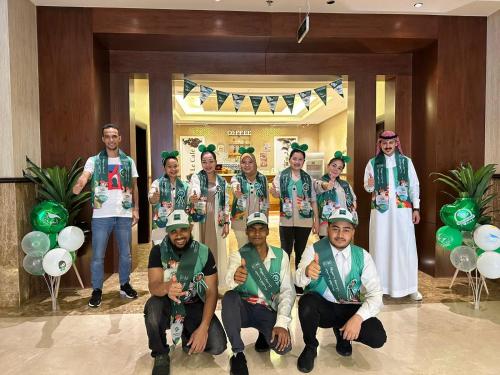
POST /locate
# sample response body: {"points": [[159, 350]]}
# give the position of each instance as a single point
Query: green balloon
{"points": [[448, 237], [49, 217], [53, 240], [461, 214], [479, 251]]}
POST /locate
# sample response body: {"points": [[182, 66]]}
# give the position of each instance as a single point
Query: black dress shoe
{"points": [[261, 344], [344, 347], [162, 365], [305, 362], [238, 364]]}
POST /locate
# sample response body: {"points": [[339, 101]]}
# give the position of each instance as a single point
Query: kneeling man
{"points": [[182, 279], [262, 295], [342, 292]]}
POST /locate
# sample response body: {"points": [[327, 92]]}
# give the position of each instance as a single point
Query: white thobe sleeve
{"points": [[287, 294], [301, 280], [373, 292], [414, 185]]}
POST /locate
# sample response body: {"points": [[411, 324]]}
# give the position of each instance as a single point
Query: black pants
{"points": [[294, 238], [238, 313], [315, 311], [157, 320]]}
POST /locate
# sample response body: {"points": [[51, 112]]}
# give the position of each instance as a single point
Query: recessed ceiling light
{"points": [[418, 5], [330, 2]]}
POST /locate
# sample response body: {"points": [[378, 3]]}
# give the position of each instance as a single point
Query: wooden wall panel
{"points": [[161, 119], [363, 136]]}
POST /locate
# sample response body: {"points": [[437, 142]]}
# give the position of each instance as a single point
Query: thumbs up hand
{"points": [[241, 274], [175, 289], [237, 191], [313, 269], [371, 181], [194, 198], [274, 191]]}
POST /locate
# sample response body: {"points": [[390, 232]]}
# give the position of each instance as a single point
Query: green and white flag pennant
{"points": [[221, 98], [290, 101], [256, 100], [205, 92], [337, 86], [321, 92], [188, 86], [272, 101], [237, 100], [306, 98]]}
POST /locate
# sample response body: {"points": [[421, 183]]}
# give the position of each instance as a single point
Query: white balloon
{"points": [[57, 262], [71, 238], [488, 264], [487, 237], [463, 258]]}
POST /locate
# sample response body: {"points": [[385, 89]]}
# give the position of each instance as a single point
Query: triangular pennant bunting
{"points": [[321, 92], [188, 86], [221, 98], [205, 92], [256, 100], [290, 101], [237, 100], [306, 98], [272, 101], [337, 86]]}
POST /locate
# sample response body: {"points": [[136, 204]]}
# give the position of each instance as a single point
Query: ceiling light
{"points": [[330, 1], [418, 5]]}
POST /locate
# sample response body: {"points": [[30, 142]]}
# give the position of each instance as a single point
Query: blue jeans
{"points": [[101, 229]]}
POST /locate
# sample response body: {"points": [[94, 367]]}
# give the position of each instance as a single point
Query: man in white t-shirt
{"points": [[115, 200]]}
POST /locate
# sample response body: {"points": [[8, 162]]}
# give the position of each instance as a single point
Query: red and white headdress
{"points": [[388, 134]]}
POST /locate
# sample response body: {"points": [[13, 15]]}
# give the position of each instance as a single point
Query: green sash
{"points": [[99, 189], [189, 270], [331, 195], [260, 185], [159, 211], [382, 183], [259, 278], [221, 191], [285, 178], [347, 292]]}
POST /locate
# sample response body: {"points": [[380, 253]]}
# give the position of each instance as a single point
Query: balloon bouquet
{"points": [[473, 247], [51, 248]]}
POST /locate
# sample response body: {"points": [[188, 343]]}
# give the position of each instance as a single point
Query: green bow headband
{"points": [[296, 146], [248, 150], [203, 148], [166, 154], [338, 155]]}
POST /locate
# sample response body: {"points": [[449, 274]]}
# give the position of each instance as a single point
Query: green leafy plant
{"points": [[468, 183], [56, 184]]}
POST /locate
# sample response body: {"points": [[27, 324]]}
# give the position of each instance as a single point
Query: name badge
{"points": [[327, 210], [287, 209], [241, 203], [402, 192], [200, 207], [381, 199], [176, 330], [162, 212], [305, 206], [127, 200]]}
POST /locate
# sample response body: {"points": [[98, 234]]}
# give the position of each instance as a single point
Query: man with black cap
{"points": [[262, 295], [342, 291], [182, 279]]}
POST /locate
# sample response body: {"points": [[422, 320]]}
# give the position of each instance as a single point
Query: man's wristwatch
{"points": [[416, 209]]}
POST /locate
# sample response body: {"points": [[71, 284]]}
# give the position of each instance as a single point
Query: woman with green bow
{"points": [[209, 199], [167, 193], [250, 194], [298, 208], [336, 193]]}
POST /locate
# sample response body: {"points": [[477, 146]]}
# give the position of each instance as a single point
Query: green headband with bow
{"points": [[203, 148], [248, 150], [296, 146], [169, 154], [338, 155]]}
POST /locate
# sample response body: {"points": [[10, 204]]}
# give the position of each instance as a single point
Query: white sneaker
{"points": [[417, 296]]}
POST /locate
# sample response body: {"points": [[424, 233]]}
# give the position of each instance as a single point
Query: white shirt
{"points": [[390, 163], [112, 207], [369, 278], [286, 297]]}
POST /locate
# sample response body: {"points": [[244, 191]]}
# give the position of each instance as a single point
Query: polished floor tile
{"points": [[434, 338]]}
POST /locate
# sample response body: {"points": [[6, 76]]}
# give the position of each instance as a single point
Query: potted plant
{"points": [[56, 184], [468, 183]]}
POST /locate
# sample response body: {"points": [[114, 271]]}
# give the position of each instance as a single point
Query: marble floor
{"points": [[441, 335], [433, 338]]}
